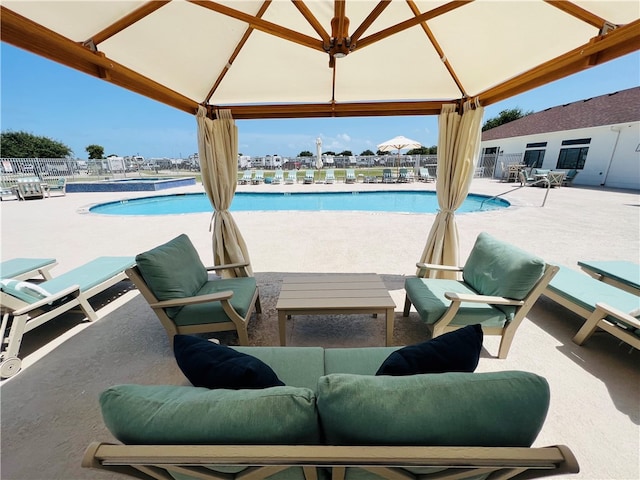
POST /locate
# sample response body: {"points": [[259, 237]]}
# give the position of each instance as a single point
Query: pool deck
{"points": [[595, 389]]}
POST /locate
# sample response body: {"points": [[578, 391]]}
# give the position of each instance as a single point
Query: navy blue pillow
{"points": [[457, 351], [207, 364]]}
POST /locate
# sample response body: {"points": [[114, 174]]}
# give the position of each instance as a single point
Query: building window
{"points": [[572, 158], [578, 141], [536, 145], [533, 158]]}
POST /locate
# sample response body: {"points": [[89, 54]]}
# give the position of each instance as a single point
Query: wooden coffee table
{"points": [[334, 294]]}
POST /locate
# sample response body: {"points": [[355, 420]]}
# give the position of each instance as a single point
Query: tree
{"points": [[330, 153], [27, 145], [367, 153], [305, 153], [505, 116], [95, 152], [345, 153]]}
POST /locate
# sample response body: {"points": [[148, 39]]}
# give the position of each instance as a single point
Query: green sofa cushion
{"points": [[173, 270], [490, 409], [427, 295], [295, 366], [212, 312], [359, 361], [498, 268], [165, 415]]}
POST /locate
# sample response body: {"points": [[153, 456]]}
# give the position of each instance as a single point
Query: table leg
{"points": [[390, 319], [282, 325]]}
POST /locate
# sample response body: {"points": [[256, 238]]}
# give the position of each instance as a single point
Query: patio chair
{"points": [[405, 175], [350, 176], [500, 283], [292, 177], [425, 176], [330, 176], [246, 178], [619, 273], [602, 305], [30, 188], [278, 177], [387, 176], [258, 177], [26, 306], [59, 186], [569, 177], [26, 268], [175, 283], [309, 177]]}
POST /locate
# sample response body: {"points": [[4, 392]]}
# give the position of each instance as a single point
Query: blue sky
{"points": [[47, 99]]}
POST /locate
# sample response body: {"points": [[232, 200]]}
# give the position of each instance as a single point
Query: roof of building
{"points": [[609, 109]]}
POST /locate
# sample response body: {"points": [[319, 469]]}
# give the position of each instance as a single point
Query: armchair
{"points": [[500, 285], [175, 283]]}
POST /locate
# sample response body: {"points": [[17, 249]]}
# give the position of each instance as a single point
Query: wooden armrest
{"points": [[228, 266], [614, 312], [180, 302], [50, 299], [490, 299]]}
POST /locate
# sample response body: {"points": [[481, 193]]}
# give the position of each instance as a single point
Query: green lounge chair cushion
{"points": [[26, 291], [427, 295], [173, 270], [89, 275], [499, 268], [586, 291], [173, 415], [418, 409], [212, 312]]}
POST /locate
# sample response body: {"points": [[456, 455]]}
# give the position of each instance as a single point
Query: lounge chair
{"points": [[246, 178], [30, 188], [26, 306], [26, 268], [425, 176], [405, 175], [278, 177], [500, 285], [292, 177], [59, 186], [330, 176], [175, 283], [569, 177], [350, 175], [387, 176], [602, 305], [619, 273], [309, 177], [258, 177]]}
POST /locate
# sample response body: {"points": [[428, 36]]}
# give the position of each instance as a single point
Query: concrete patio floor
{"points": [[49, 411]]}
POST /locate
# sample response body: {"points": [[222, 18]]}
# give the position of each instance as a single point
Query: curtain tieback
{"points": [[447, 211]]}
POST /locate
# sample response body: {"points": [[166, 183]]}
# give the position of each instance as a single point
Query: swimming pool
{"points": [[381, 201]]}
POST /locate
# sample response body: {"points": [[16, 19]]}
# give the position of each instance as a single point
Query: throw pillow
{"points": [[457, 351], [207, 364]]}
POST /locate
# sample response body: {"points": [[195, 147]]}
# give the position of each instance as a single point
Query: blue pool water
{"points": [[400, 202]]}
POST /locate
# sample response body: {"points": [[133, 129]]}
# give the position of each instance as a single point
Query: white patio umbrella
{"points": [[398, 143], [318, 153]]}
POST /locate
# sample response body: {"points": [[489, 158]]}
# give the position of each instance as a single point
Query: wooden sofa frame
{"points": [[237, 322], [154, 462]]}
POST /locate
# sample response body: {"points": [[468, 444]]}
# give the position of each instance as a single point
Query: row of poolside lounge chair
{"points": [[405, 175], [27, 305]]}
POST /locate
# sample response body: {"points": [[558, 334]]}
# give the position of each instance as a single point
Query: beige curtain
{"points": [[458, 148], [218, 151]]}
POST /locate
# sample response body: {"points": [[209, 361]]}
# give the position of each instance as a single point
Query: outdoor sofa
{"points": [[332, 419]]}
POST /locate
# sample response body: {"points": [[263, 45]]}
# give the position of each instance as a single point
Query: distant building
{"points": [[599, 136]]}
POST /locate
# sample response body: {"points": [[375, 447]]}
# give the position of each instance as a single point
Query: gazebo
{"points": [[223, 61]]}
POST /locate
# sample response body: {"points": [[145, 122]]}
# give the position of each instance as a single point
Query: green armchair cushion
{"points": [[427, 295], [457, 351], [174, 415], [207, 364], [448, 409], [498, 268], [173, 270], [243, 289]]}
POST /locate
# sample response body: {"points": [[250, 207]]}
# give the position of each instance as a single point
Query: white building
{"points": [[599, 136]]}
